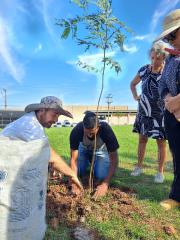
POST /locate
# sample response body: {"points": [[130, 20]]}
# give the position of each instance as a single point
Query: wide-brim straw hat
{"points": [[171, 23], [49, 102]]}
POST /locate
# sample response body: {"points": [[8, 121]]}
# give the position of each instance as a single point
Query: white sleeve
{"points": [[26, 128]]}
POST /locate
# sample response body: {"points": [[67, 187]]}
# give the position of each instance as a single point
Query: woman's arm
{"points": [[133, 84]]}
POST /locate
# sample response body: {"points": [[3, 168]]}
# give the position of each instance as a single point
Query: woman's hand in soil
{"points": [[101, 190]]}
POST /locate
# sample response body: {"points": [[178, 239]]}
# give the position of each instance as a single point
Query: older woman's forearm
{"points": [[134, 91]]}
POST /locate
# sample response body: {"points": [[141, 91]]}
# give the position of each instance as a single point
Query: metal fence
{"points": [[8, 116]]}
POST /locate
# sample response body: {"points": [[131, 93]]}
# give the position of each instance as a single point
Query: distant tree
{"points": [[102, 31]]}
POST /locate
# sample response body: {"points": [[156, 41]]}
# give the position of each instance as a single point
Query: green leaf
{"points": [[81, 3], [66, 32], [89, 68]]}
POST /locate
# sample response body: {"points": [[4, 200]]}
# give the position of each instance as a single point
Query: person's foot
{"points": [[136, 172], [169, 204], [159, 178]]}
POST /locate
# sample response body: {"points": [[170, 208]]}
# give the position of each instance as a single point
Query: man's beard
{"points": [[91, 138], [47, 125]]}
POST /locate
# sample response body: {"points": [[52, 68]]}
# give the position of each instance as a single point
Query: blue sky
{"points": [[35, 62]]}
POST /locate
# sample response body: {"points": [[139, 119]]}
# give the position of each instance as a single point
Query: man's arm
{"points": [[101, 190], [73, 161], [60, 165], [113, 156]]}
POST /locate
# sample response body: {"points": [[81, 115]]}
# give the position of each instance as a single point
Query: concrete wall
{"points": [[124, 120], [79, 110]]}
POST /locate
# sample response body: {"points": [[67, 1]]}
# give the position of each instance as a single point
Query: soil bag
{"points": [[23, 187]]}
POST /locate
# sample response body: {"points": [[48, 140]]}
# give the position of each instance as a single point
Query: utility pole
{"points": [[4, 94], [109, 101]]}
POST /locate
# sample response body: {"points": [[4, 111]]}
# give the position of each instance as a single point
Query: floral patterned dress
{"points": [[149, 119]]}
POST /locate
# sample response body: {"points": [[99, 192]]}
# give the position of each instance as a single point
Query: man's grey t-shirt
{"points": [[105, 135]]}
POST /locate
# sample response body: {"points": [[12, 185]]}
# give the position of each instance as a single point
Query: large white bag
{"points": [[23, 186]]}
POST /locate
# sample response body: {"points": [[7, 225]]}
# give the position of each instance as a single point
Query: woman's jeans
{"points": [[101, 163], [172, 127]]}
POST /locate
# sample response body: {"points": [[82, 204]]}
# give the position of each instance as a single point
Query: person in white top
{"points": [[31, 127]]}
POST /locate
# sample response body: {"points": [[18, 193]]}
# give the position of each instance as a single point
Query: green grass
{"points": [[148, 193]]}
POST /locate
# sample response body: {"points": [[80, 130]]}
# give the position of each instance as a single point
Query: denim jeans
{"points": [[101, 164]]}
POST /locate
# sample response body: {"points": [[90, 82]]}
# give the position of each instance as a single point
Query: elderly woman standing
{"points": [[149, 118], [169, 89]]}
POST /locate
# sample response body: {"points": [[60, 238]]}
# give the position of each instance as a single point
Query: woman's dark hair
{"points": [[89, 120]]}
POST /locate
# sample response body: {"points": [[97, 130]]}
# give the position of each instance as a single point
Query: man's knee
{"points": [[101, 168]]}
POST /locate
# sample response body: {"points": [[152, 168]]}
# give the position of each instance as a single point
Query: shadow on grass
{"points": [[143, 185], [133, 158], [149, 162]]}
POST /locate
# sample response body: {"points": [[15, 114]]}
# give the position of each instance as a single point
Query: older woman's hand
{"points": [[137, 98], [177, 115], [172, 104]]}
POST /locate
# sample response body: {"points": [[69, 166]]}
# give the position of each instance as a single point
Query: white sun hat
{"points": [[49, 102], [171, 23]]}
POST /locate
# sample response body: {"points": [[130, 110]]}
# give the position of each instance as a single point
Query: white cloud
{"points": [[141, 37], [146, 37], [93, 60], [163, 8], [22, 9], [38, 48], [44, 12], [10, 63], [46, 8], [131, 49]]}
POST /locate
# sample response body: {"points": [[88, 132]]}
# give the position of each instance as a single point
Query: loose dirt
{"points": [[73, 211]]}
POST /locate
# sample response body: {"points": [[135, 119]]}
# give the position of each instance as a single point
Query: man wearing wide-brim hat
{"points": [[24, 159], [169, 89], [31, 127]]}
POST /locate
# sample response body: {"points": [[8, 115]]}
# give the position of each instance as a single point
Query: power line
{"points": [[109, 101], [4, 94]]}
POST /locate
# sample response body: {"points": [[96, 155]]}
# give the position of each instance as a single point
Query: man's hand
{"points": [[101, 190], [76, 190], [60, 165], [75, 181]]}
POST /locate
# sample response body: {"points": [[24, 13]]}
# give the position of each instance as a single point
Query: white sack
{"points": [[23, 187]]}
